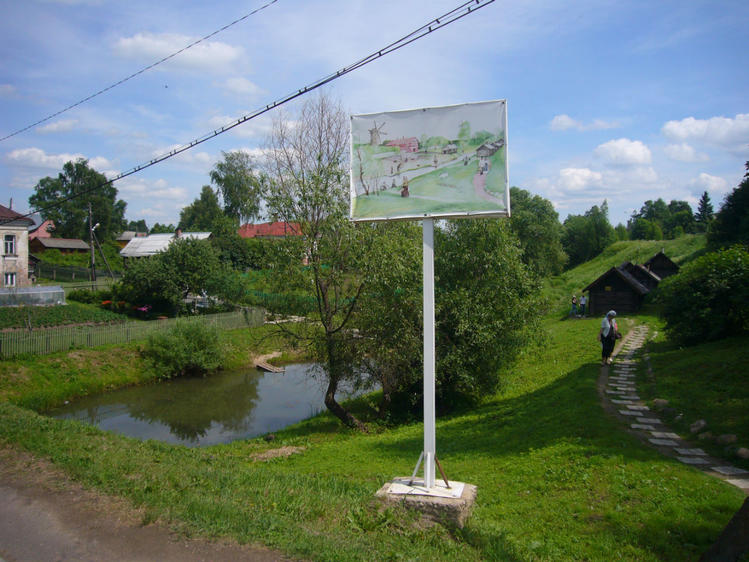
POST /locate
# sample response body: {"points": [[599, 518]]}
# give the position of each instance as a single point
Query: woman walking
{"points": [[608, 336]]}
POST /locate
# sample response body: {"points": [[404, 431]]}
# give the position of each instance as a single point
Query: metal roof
{"points": [[154, 243], [61, 243]]}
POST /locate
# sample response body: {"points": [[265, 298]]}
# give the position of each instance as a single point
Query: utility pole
{"points": [[91, 243]]}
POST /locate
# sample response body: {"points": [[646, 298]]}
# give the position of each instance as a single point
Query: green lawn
{"points": [[557, 478]]}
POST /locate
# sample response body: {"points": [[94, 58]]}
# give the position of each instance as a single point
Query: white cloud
{"points": [[7, 90], [706, 182], [725, 132], [624, 152], [210, 56], [61, 126], [38, 158], [158, 189], [242, 86], [191, 156], [564, 122], [685, 153], [578, 179], [258, 128]]}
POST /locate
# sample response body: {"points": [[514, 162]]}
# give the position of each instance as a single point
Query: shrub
{"points": [[709, 298], [188, 348], [89, 297]]}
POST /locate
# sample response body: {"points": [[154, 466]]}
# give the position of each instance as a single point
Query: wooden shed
{"points": [[661, 265], [617, 289], [642, 274]]}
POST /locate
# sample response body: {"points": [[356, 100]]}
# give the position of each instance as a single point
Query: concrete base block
{"points": [[439, 504]]}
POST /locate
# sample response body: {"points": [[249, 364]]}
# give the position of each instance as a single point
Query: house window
{"points": [[10, 279], [10, 245]]}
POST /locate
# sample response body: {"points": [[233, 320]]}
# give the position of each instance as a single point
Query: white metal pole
{"points": [[430, 442]]}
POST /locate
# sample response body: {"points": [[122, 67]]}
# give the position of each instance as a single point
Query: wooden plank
{"points": [[268, 367]]}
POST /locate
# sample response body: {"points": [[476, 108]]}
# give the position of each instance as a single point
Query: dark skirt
{"points": [[608, 346]]}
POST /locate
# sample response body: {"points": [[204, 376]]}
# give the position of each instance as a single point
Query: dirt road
{"points": [[44, 516]]}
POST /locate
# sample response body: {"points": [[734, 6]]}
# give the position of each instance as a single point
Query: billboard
{"points": [[432, 162]]}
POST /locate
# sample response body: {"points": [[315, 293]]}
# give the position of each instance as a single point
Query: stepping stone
{"points": [[699, 452], [730, 470], [629, 413], [692, 460], [622, 401], [642, 426], [665, 435], [629, 397], [664, 442], [739, 483], [640, 408], [649, 420]]}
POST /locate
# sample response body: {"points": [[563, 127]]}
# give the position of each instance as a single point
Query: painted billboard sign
{"points": [[433, 162]]}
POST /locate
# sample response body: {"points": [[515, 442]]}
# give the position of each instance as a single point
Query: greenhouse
{"points": [[32, 296]]}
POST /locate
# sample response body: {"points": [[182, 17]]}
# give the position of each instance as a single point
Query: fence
{"points": [[68, 273], [51, 340]]}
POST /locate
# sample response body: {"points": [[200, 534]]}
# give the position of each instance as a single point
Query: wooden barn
{"points": [[642, 274], [617, 289], [661, 265]]}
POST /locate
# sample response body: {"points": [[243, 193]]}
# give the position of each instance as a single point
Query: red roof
{"points": [[9, 215], [269, 230]]}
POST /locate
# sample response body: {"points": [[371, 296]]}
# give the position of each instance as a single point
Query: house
{"points": [[128, 235], [410, 144], [64, 245], [617, 289], [661, 265], [14, 230], [144, 246], [624, 288], [451, 148], [269, 230], [41, 228]]}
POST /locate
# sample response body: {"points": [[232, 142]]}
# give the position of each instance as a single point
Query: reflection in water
{"points": [[221, 408]]}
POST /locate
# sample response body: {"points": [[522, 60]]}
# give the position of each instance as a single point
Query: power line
{"points": [[141, 71], [446, 19]]}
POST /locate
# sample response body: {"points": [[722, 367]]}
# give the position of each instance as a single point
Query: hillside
{"points": [[559, 288]]}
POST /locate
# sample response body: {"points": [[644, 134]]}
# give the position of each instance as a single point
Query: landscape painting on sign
{"points": [[432, 162]]}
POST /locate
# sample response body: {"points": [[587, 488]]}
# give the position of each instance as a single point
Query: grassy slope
{"points": [[573, 281], [557, 478]]}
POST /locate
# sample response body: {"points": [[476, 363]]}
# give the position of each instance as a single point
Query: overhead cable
{"points": [[141, 71], [450, 17]]}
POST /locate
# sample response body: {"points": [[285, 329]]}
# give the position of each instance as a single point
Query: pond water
{"points": [[221, 408]]}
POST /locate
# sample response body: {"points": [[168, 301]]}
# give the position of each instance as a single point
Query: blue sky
{"points": [[623, 101]]}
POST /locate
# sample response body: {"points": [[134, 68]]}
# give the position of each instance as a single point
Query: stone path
{"points": [[619, 394]]}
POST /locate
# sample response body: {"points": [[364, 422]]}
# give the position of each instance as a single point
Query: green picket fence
{"points": [[63, 338]]}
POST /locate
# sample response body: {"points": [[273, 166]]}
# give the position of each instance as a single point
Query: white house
{"points": [[14, 231]]}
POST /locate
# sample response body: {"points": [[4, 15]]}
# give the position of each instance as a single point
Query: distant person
{"points": [[607, 336], [573, 310], [583, 302]]}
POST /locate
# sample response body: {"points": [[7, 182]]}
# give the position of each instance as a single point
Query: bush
{"points": [[90, 297], [709, 299], [188, 348]]}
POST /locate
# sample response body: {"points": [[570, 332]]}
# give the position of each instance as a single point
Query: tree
{"points": [[586, 236], [239, 186], [162, 229], [308, 185], [79, 185], [536, 225], [644, 229], [704, 215], [137, 226], [202, 214], [731, 224], [621, 232]]}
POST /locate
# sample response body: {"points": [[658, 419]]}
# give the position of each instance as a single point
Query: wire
{"points": [[450, 17], [141, 71]]}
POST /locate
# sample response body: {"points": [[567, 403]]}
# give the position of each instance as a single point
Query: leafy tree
{"points": [[644, 229], [187, 348], [621, 232], [731, 224], [586, 236], [704, 215], [239, 186], [536, 225], [202, 214], [308, 185], [137, 226], [162, 229], [709, 298], [80, 185]]}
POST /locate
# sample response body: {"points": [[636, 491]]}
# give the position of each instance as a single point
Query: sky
{"points": [[622, 101]]}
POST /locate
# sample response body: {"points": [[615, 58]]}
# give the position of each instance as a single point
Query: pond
{"points": [[221, 408]]}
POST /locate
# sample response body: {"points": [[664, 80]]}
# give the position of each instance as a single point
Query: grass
{"points": [[558, 479], [708, 381], [48, 316]]}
